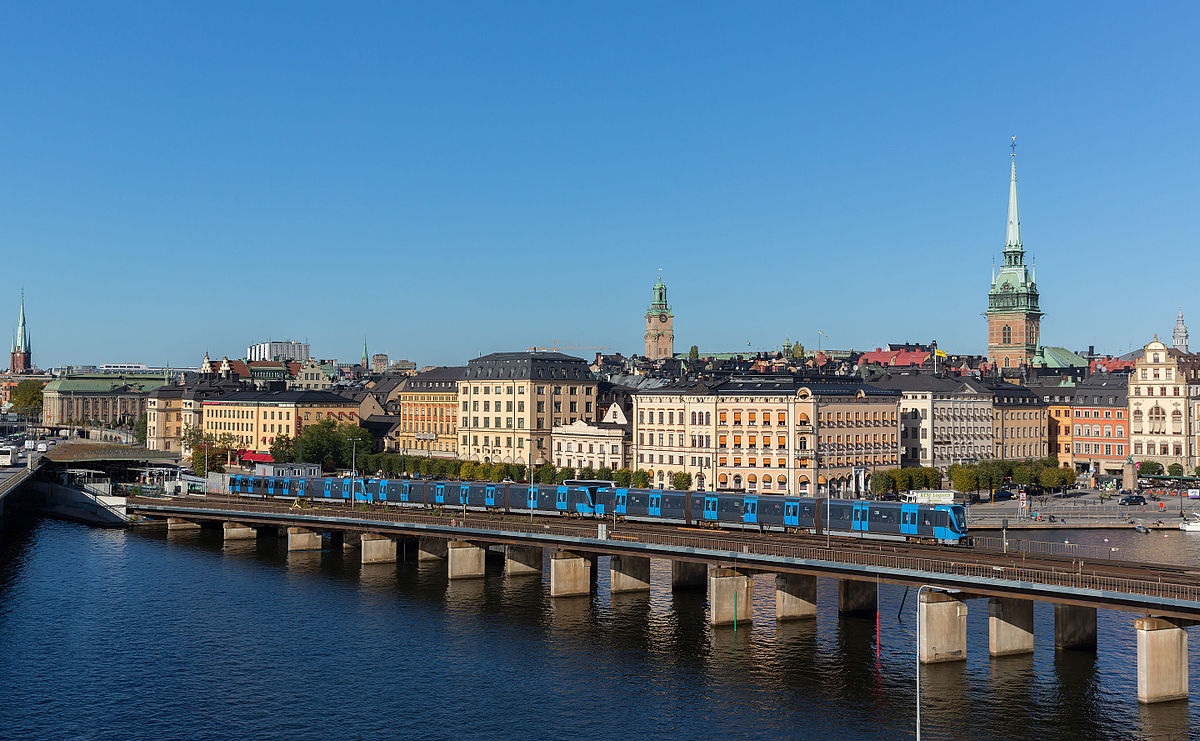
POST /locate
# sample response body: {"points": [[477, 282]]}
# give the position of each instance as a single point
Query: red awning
{"points": [[258, 457]]}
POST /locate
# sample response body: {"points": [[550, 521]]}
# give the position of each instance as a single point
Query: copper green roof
{"points": [[96, 383]]}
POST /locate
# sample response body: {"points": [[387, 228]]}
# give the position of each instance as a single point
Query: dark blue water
{"points": [[141, 635]]}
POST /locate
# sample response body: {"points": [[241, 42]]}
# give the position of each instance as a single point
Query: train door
{"points": [[383, 490], [750, 510], [620, 499], [271, 487], [439, 494], [656, 504], [329, 487], [531, 497], [463, 490], [347, 489], [234, 484], [860, 523], [405, 491], [710, 508], [286, 487], [791, 513], [908, 519], [301, 487], [489, 495], [560, 499]]}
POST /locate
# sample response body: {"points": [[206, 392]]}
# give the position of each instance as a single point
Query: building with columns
{"points": [[1013, 315], [660, 324]]}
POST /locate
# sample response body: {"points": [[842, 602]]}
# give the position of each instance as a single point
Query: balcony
{"points": [[803, 429]]}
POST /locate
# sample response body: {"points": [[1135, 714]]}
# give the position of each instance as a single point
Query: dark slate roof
{"points": [[380, 425], [1103, 390], [534, 366], [284, 397], [444, 378]]}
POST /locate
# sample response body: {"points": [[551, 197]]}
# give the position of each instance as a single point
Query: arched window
{"points": [[1006, 335], [752, 482], [723, 480], [1158, 419], [766, 482], [737, 481]]}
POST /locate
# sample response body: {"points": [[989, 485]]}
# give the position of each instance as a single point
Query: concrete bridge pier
{"points": [[238, 531], [570, 574], [688, 575], [1010, 626], [465, 560], [431, 549], [1074, 628], [376, 548], [176, 523], [630, 574], [857, 597], [523, 560], [795, 597], [730, 596], [303, 539], [1162, 659], [942, 636]]}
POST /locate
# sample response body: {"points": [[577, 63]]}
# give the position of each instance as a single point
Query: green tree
{"points": [[26, 398], [139, 429], [903, 478], [564, 474], [320, 443], [622, 477], [964, 478], [1024, 474], [640, 479], [1175, 469], [681, 481], [587, 473], [466, 471], [1066, 477], [281, 449], [797, 351], [498, 473], [354, 442], [1149, 468], [547, 474], [883, 482], [517, 471], [930, 477], [694, 353], [990, 475], [1048, 478]]}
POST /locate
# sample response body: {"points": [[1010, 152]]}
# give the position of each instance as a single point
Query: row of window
{"points": [[541, 390], [1095, 449], [1095, 430], [1162, 448]]}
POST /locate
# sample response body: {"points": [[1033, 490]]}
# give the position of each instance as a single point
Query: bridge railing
{"points": [[956, 564]]}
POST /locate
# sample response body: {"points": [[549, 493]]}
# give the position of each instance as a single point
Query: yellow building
{"points": [[256, 418], [429, 413]]}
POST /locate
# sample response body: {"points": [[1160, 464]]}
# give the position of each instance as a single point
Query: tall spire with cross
{"points": [[20, 359], [1012, 237], [1014, 316]]}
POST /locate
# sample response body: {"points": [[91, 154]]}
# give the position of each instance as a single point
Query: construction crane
{"points": [[556, 348]]}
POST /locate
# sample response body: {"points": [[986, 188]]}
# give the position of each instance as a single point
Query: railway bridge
{"points": [[1164, 600]]}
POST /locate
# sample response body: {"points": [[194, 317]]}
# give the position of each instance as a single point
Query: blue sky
{"points": [[451, 179]]}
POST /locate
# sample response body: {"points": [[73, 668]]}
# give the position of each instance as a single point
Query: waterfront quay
{"points": [[1165, 599]]}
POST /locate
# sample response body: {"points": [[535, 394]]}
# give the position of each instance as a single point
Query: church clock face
{"points": [[662, 318]]}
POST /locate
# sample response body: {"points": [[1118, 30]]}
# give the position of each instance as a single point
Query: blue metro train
{"points": [[942, 523]]}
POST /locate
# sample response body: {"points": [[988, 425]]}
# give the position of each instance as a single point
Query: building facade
{"points": [[279, 351], [114, 400], [1013, 314], [660, 324], [428, 406], [1059, 399], [1018, 422], [1179, 339], [509, 404], [602, 445], [255, 418], [943, 421], [1163, 383], [1100, 424], [312, 375], [171, 409]]}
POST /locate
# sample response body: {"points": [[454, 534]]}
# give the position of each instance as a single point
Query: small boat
{"points": [[1141, 528], [1191, 524]]}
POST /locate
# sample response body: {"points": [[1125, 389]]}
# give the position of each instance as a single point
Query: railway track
{"points": [[624, 530]]}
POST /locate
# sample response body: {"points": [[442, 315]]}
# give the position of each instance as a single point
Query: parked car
{"points": [[1003, 495], [1132, 500]]}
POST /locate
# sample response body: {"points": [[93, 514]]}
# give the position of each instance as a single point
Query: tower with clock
{"points": [[1013, 315], [660, 324]]}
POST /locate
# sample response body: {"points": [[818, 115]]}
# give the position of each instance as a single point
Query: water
{"points": [[144, 635]]}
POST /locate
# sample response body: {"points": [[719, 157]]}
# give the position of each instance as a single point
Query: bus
{"points": [[9, 457]]}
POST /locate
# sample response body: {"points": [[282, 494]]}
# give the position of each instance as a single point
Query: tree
{"points": [[694, 353], [903, 478], [883, 482], [797, 351], [26, 398], [466, 471], [929, 478], [281, 449], [990, 474], [1066, 477], [516, 471], [547, 474], [681, 481], [563, 474], [1149, 468], [498, 473], [587, 473], [640, 479], [354, 442], [208, 451], [964, 478], [321, 443], [1049, 478], [1024, 474], [1175, 469], [139, 429], [623, 477]]}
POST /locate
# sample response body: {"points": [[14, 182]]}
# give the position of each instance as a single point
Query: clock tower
{"points": [[1013, 316], [660, 324]]}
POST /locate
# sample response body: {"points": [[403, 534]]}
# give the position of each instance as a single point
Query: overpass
{"points": [[1166, 599]]}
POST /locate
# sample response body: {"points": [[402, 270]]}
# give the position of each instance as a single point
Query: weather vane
{"points": [[1013, 146]]}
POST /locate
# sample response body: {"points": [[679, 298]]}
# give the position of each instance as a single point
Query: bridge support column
{"points": [[431, 549], [857, 597], [302, 539], [730, 597], [1074, 627], [523, 560], [465, 560], [570, 574], [630, 574], [175, 523], [943, 628], [795, 597], [1010, 626], [1162, 659], [688, 575], [377, 548], [238, 531]]}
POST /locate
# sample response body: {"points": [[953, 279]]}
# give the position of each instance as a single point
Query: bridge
{"points": [[1165, 599]]}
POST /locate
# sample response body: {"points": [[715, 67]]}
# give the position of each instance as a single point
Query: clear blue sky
{"points": [[452, 179]]}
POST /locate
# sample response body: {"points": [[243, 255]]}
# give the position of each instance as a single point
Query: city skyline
{"points": [[403, 181]]}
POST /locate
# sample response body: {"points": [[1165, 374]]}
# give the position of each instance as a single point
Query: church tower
{"points": [[660, 329], [1013, 316], [21, 357], [1180, 340]]}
